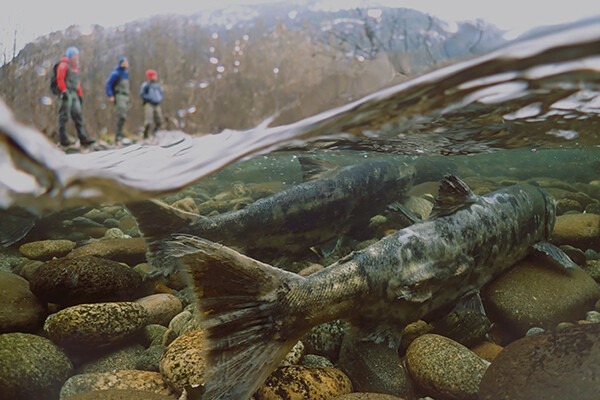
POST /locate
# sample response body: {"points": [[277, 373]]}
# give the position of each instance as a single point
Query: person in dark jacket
{"points": [[68, 80], [117, 90], [152, 96]]}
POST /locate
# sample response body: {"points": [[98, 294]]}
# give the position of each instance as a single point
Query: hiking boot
{"points": [[66, 143], [87, 141]]}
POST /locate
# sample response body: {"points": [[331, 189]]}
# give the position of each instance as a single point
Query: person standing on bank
{"points": [[152, 96], [68, 80], [117, 90]]}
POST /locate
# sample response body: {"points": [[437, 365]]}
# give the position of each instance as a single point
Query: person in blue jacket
{"points": [[152, 95], [117, 90]]}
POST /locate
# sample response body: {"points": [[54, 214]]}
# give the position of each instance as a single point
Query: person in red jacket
{"points": [[69, 85]]}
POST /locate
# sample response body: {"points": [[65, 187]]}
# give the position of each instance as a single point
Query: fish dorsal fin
{"points": [[313, 168], [453, 195]]}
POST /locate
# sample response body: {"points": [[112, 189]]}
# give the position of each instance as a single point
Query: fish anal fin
{"points": [[453, 195], [550, 251]]}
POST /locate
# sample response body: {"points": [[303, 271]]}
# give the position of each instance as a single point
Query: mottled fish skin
{"points": [[292, 220], [254, 313]]}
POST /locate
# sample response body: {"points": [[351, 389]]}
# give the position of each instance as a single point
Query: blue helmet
{"points": [[71, 51]]}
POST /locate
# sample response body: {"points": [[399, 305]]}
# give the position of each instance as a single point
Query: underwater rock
{"points": [[154, 334], [294, 355], [31, 367], [564, 325], [534, 331], [28, 270], [413, 331], [566, 205], [464, 326], [86, 279], [313, 360], [95, 325], [557, 365], [592, 208], [128, 225], [182, 363], [150, 358], [419, 206], [537, 294], [593, 269], [127, 380], [179, 321], [578, 230], [374, 367], [443, 368], [367, 396], [84, 222], [576, 255], [487, 350], [377, 221], [161, 308], [119, 360], [120, 394], [551, 185], [326, 339], [295, 382], [9, 259], [45, 250], [20, 310], [113, 233], [580, 197], [592, 317], [97, 215], [426, 190], [129, 251]]}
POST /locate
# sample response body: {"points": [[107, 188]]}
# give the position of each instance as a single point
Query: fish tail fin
{"points": [[241, 304], [157, 221]]}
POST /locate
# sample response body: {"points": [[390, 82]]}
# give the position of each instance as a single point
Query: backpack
{"points": [[53, 83]]}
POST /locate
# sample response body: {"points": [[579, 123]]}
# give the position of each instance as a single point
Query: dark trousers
{"points": [[70, 107], [122, 104]]}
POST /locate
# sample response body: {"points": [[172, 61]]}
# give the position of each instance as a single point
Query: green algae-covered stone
{"points": [[31, 367], [96, 324]]}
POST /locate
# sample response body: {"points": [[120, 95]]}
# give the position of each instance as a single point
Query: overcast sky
{"points": [[31, 19]]}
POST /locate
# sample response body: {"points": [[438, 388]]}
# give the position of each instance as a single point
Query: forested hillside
{"points": [[234, 68]]}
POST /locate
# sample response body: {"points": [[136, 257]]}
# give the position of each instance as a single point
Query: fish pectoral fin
{"points": [[15, 224], [550, 251], [471, 301], [384, 333], [453, 195], [416, 293], [401, 208]]}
